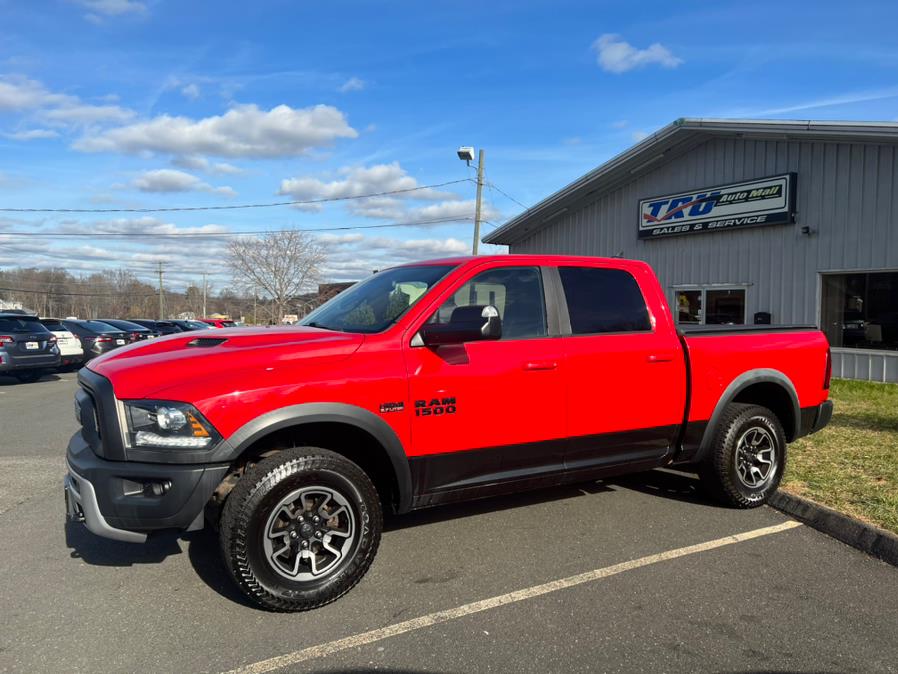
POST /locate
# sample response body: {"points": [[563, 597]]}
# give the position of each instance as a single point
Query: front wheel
{"points": [[748, 457], [300, 529]]}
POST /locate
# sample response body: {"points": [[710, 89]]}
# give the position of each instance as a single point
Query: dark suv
{"points": [[27, 348], [96, 337], [162, 327], [136, 332]]}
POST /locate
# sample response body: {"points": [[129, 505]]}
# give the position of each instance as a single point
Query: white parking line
{"points": [[421, 622]]}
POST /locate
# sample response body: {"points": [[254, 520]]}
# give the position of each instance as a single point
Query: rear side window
{"points": [[53, 326], [603, 300], [18, 326]]}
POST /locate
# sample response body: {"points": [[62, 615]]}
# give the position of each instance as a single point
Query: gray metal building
{"points": [[749, 221]]}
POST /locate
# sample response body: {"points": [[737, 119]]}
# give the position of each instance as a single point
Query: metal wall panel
{"points": [[865, 364], [845, 195]]}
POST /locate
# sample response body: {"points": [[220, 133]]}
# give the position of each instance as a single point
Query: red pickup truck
{"points": [[424, 384]]}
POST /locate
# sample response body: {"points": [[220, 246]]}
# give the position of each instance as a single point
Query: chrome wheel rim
{"points": [[309, 533], [756, 459]]}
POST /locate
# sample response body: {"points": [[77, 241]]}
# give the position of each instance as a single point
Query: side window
{"points": [[517, 292], [603, 300]]}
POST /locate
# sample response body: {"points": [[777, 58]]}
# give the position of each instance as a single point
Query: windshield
{"points": [[377, 302]]}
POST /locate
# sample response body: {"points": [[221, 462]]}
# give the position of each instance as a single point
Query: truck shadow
{"points": [[202, 547], [12, 381], [667, 483]]}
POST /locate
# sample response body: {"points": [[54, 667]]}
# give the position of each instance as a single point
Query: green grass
{"points": [[852, 464]]}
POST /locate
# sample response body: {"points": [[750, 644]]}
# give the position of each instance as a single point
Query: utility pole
{"points": [[477, 203], [255, 322], [204, 295], [161, 309]]}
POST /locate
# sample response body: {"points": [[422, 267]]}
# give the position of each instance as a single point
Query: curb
{"points": [[865, 537]]}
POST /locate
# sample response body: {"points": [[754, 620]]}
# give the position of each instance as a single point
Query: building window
{"points": [[710, 306], [861, 310]]}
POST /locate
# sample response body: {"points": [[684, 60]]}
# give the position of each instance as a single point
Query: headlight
{"points": [[162, 424]]}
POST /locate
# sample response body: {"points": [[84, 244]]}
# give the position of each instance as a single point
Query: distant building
{"points": [[749, 221]]}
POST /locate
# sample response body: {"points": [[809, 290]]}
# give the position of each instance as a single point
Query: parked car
{"points": [[136, 332], [70, 350], [162, 327], [426, 384], [186, 326], [27, 349], [220, 322], [96, 337]]}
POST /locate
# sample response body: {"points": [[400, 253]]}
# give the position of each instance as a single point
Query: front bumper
{"points": [[125, 500]]}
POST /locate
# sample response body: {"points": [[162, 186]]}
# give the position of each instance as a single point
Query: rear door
{"points": [[488, 412], [625, 378]]}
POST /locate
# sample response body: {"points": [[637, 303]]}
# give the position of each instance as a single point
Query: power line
{"points": [[177, 235], [506, 194], [231, 207]]}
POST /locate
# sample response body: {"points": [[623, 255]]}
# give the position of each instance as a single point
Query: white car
{"points": [[70, 350]]}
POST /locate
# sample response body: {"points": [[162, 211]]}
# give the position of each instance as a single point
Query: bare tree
{"points": [[280, 265]]}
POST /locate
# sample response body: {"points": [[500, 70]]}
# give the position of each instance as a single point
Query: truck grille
{"points": [[98, 415], [86, 411]]}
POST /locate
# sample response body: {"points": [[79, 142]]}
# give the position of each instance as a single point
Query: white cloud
{"points": [[112, 7], [639, 135], [191, 91], [202, 164], [20, 94], [620, 124], [615, 55], [359, 180], [243, 131], [79, 114], [352, 84], [170, 180], [32, 134]]}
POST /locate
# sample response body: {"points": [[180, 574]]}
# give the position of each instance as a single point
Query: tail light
{"points": [[6, 339], [100, 340], [828, 371], [51, 339]]}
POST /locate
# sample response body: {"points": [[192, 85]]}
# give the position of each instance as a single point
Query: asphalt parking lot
{"points": [[653, 578]]}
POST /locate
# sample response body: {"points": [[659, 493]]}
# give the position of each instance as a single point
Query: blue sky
{"points": [[149, 103]]}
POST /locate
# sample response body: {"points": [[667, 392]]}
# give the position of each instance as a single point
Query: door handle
{"points": [[540, 365], [660, 358]]}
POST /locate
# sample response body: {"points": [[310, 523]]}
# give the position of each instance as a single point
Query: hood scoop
{"points": [[206, 342]]}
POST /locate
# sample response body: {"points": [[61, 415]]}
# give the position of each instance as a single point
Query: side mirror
{"points": [[468, 324]]}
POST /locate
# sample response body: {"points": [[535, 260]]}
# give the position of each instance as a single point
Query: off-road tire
{"points": [[249, 505], [719, 473]]}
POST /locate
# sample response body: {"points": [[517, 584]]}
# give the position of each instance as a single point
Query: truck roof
{"points": [[531, 259]]}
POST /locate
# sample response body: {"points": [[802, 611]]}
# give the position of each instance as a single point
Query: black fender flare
{"points": [[309, 413], [739, 384]]}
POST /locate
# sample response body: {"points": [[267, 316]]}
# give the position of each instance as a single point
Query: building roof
{"points": [[673, 140]]}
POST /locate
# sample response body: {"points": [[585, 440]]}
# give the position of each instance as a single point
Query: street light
{"points": [[466, 154]]}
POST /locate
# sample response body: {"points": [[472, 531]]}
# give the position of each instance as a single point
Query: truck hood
{"points": [[206, 358]]}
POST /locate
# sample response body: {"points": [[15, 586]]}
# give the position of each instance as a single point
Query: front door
{"points": [[625, 380], [489, 412]]}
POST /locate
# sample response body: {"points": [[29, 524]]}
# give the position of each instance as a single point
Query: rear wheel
{"points": [[300, 529], [29, 376], [748, 456]]}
